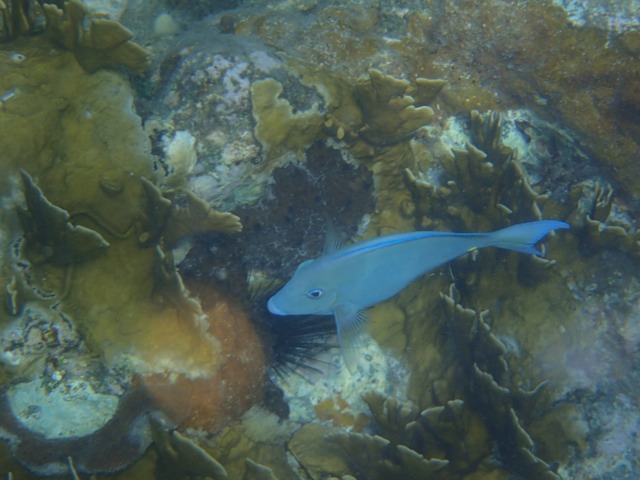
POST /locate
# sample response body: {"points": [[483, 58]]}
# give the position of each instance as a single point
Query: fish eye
{"points": [[315, 293]]}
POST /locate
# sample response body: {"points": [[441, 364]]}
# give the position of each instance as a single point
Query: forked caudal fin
{"points": [[524, 236]]}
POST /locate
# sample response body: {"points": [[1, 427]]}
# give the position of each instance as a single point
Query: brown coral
{"points": [[96, 42], [600, 217], [485, 187], [393, 109], [49, 233]]}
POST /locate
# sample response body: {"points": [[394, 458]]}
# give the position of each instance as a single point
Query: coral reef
{"points": [[88, 240], [506, 365], [535, 63]]}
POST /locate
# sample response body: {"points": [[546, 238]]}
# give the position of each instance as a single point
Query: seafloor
{"points": [[167, 164]]}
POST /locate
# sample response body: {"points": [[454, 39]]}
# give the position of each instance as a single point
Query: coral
{"points": [[19, 17], [192, 215], [378, 110], [535, 63], [337, 411], [452, 432], [179, 457], [278, 128], [181, 157], [461, 433], [394, 109], [175, 214], [318, 456], [364, 456], [49, 234], [477, 356], [604, 223], [255, 471], [485, 367], [96, 252], [260, 438], [483, 186], [96, 42]]}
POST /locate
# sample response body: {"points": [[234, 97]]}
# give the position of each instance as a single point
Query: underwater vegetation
{"points": [[135, 340]]}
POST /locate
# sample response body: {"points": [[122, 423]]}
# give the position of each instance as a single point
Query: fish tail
{"points": [[524, 236]]}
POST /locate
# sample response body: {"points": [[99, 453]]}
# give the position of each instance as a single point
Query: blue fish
{"points": [[347, 281]]}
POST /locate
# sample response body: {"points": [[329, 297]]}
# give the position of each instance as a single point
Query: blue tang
{"points": [[347, 281]]}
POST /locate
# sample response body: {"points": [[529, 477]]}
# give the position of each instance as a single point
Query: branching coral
{"points": [[394, 109], [382, 111], [485, 366], [483, 186], [603, 222], [18, 18], [464, 435]]}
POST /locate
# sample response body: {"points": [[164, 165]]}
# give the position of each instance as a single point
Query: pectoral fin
{"points": [[350, 321], [332, 240]]}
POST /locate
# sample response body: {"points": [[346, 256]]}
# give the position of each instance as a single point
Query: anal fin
{"points": [[350, 321]]}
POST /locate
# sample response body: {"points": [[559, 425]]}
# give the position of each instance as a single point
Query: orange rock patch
{"points": [[236, 381]]}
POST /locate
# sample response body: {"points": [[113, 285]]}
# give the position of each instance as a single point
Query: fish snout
{"points": [[271, 305]]}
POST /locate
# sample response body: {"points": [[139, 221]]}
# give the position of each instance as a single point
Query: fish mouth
{"points": [[273, 309]]}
